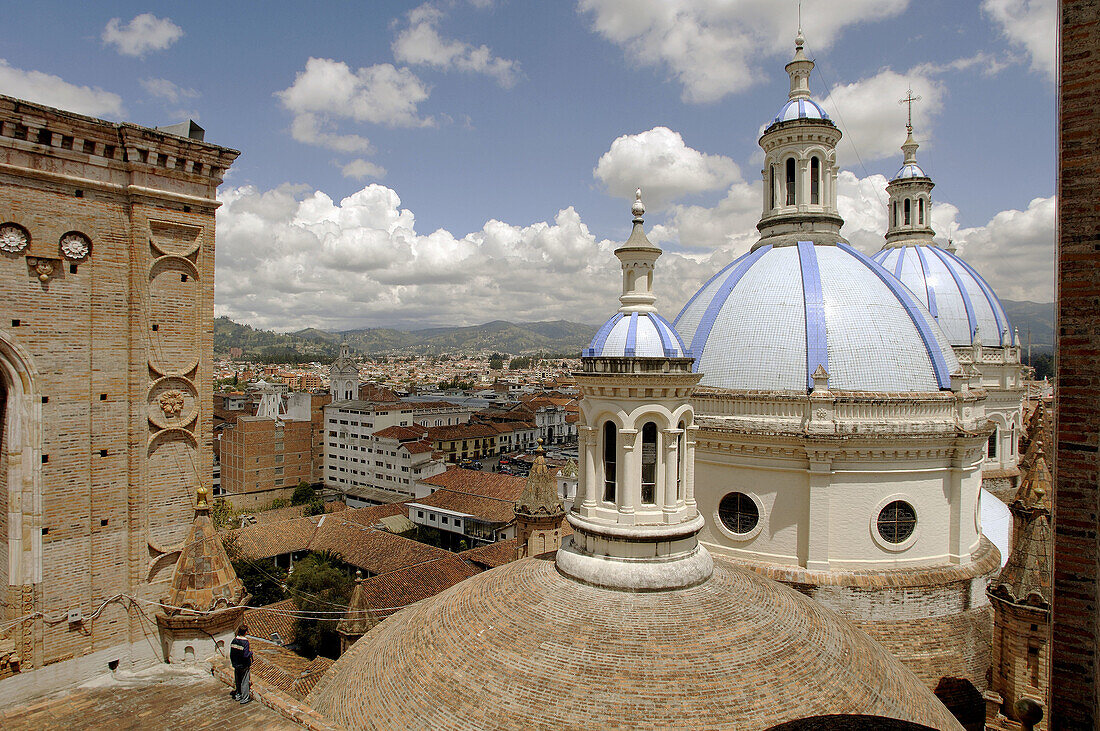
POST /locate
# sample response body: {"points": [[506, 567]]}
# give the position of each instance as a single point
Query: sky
{"points": [[460, 161]]}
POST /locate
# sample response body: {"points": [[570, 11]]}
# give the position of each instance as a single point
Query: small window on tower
{"points": [[895, 214], [906, 211], [920, 211], [649, 463], [815, 181], [790, 181], [609, 452]]}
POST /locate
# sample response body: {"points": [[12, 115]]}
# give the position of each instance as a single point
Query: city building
{"points": [[376, 451], [464, 441], [263, 458], [107, 269]]}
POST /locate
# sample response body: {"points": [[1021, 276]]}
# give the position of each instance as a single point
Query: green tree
{"points": [[496, 363], [263, 582], [303, 493], [222, 514], [315, 506], [321, 582]]}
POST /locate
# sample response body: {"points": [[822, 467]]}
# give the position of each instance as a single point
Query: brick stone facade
{"points": [[1075, 676], [107, 270], [264, 459]]}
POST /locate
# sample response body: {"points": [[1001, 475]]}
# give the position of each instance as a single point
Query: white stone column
{"points": [[689, 473], [802, 185], [586, 485], [817, 553], [669, 503], [630, 475]]}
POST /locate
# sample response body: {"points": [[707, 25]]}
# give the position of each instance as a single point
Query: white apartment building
{"points": [[372, 446]]}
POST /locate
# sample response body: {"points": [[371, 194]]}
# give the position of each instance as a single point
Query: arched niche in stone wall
{"points": [[172, 475], [175, 315]]}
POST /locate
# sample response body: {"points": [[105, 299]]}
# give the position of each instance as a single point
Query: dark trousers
{"points": [[241, 683]]}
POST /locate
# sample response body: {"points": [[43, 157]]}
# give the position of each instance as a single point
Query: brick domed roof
{"points": [[523, 646]]}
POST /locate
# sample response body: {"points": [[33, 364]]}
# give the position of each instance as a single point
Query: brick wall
{"points": [[1074, 676], [264, 459], [106, 359]]}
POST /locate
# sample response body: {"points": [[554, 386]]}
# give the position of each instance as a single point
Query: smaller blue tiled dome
{"points": [[800, 109], [636, 335], [910, 170]]}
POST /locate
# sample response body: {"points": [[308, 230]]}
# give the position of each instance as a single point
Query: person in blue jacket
{"points": [[240, 655]]}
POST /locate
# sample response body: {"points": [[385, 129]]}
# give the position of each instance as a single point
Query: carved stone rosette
{"points": [[13, 238]]}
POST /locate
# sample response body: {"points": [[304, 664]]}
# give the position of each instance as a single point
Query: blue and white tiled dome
{"points": [[800, 109], [957, 296], [910, 170], [770, 318], [636, 335]]}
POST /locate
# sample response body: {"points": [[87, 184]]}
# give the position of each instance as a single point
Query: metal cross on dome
{"points": [[909, 99]]}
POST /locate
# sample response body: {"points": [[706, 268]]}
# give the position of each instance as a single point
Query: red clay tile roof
{"points": [[491, 510], [389, 591], [372, 550], [347, 533], [371, 515], [402, 433], [289, 672], [269, 619], [417, 447], [460, 431], [493, 555], [476, 482], [290, 512]]}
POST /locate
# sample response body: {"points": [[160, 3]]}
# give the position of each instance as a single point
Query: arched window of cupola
{"points": [[815, 180], [771, 187], [895, 214], [790, 181], [920, 211], [680, 462], [907, 211], [609, 451], [649, 463]]}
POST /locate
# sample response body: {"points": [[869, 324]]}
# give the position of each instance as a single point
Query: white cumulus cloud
{"points": [[360, 169], [872, 120], [291, 257], [421, 44], [168, 90], [659, 162], [1031, 24], [379, 94], [715, 47], [146, 32], [36, 86]]}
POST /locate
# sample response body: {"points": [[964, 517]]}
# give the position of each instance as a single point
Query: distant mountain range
{"points": [[1039, 318], [557, 336]]}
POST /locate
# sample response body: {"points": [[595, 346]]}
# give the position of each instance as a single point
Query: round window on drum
{"points": [[738, 512], [897, 521]]}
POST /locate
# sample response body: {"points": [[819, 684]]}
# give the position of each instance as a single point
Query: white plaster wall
{"points": [[947, 521]]}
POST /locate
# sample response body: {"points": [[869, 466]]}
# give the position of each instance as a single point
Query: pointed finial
{"points": [[799, 40], [539, 450], [358, 576], [201, 503], [638, 209]]}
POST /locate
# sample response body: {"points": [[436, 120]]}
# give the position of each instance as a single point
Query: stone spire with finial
{"points": [[539, 512], [638, 256], [909, 211]]}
